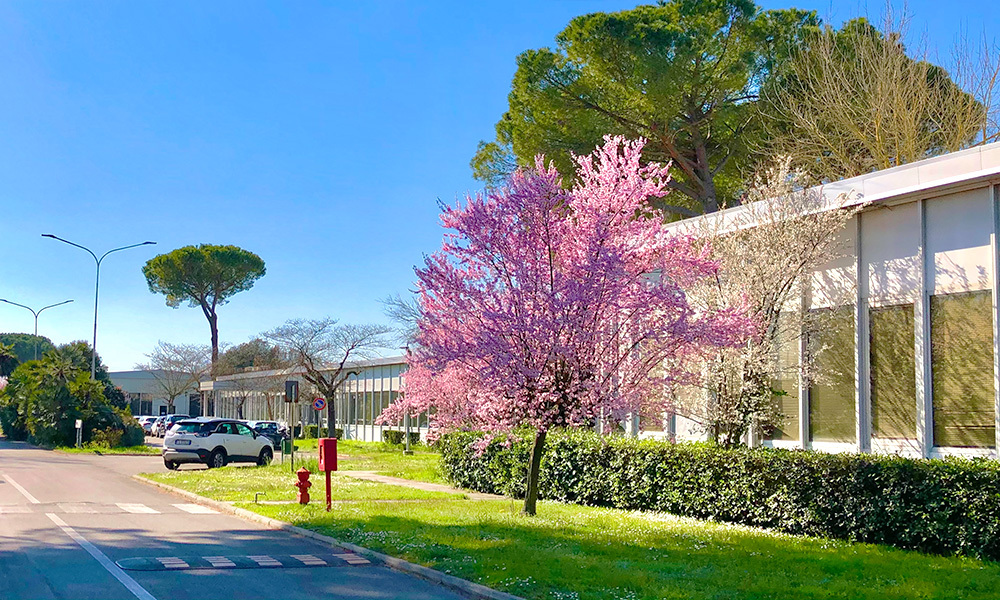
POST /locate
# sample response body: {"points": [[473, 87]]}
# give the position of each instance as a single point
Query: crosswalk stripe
{"points": [[16, 509], [265, 561], [139, 509], [77, 508], [308, 559], [220, 561], [171, 562], [353, 559], [197, 509]]}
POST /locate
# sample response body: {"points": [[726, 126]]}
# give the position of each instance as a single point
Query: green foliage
{"points": [[204, 275], [396, 438], [312, 432], [255, 354], [942, 506], [8, 359], [44, 398], [24, 345], [684, 74]]}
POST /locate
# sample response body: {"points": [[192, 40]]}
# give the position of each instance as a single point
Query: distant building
{"points": [[146, 395]]}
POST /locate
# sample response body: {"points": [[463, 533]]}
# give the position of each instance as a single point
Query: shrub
{"points": [[949, 506], [391, 436], [105, 438], [133, 434]]}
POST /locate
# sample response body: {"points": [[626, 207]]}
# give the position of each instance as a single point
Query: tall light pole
{"points": [[36, 313], [97, 289]]}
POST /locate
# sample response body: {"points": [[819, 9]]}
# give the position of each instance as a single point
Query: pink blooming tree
{"points": [[551, 307]]}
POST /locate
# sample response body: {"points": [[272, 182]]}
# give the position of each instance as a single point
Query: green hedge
{"points": [[391, 436], [949, 506]]}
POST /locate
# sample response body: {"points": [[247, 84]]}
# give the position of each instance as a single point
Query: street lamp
{"points": [[97, 288], [36, 313]]}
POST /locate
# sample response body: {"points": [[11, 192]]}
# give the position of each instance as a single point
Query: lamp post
{"points": [[97, 289], [36, 313]]}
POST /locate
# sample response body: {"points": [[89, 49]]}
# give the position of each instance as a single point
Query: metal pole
{"points": [[36, 313], [97, 288]]}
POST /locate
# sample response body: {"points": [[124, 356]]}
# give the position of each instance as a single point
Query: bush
{"points": [[105, 438], [133, 435], [391, 436], [949, 506], [313, 431]]}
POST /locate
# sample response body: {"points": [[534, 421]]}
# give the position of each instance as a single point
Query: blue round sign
{"points": [[319, 404]]}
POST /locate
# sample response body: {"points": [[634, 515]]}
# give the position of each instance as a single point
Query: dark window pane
{"points": [[893, 372], [831, 395], [786, 385], [962, 369]]}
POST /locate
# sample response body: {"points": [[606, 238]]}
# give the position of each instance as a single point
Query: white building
{"points": [[259, 395], [147, 396], [914, 340]]}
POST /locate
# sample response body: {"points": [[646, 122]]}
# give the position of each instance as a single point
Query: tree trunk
{"points": [[331, 416], [531, 497], [213, 323]]}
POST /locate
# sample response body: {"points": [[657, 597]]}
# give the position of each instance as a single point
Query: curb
{"points": [[462, 586]]}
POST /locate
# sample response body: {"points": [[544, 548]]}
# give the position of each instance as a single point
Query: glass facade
{"points": [[962, 369], [893, 372], [832, 414], [786, 385]]}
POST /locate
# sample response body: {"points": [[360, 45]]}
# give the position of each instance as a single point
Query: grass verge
{"points": [[384, 459], [585, 553]]}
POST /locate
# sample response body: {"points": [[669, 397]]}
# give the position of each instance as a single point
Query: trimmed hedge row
{"points": [[949, 506]]}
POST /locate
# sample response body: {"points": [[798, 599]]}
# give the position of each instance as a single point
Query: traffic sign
{"points": [[319, 404], [291, 391]]}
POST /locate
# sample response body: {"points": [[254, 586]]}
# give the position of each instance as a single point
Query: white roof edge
{"points": [[294, 371], [855, 186]]}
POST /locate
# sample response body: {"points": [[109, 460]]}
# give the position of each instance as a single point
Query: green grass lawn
{"points": [[106, 450], [585, 553], [384, 459]]}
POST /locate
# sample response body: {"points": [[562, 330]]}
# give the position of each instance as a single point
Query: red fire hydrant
{"points": [[303, 484]]}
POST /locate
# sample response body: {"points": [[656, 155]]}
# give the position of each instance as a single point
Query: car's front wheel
{"points": [[265, 457], [170, 465], [217, 460]]}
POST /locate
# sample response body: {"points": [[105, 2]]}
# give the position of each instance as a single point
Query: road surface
{"points": [[78, 526]]}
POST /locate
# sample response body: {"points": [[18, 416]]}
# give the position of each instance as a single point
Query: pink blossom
{"points": [[549, 306]]}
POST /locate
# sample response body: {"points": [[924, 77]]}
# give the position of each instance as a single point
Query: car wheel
{"points": [[265, 457], [170, 465], [217, 459]]}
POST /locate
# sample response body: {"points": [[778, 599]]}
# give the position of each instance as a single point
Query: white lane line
{"points": [[24, 492], [197, 509], [265, 560], [137, 590], [139, 509], [220, 561]]}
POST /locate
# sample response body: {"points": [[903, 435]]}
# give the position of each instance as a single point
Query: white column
{"points": [[805, 302], [922, 343]]}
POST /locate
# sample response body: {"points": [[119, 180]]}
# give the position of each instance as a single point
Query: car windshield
{"points": [[193, 427]]}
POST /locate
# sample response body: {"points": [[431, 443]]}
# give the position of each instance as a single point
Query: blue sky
{"points": [[319, 135]]}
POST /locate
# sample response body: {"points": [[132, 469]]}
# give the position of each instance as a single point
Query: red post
{"points": [[328, 463]]}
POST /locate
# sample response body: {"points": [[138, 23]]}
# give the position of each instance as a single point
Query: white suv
{"points": [[214, 442]]}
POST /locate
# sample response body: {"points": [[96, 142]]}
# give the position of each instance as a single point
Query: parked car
{"points": [[272, 430], [164, 423], [215, 442], [146, 422]]}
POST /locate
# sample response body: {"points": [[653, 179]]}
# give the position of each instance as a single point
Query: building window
{"points": [[786, 383], [832, 391], [893, 372], [962, 369]]}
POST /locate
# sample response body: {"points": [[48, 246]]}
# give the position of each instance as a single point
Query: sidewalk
{"points": [[418, 485]]}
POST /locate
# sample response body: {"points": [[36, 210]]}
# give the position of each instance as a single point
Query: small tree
{"points": [[205, 276], [784, 233], [323, 348], [177, 369], [559, 306]]}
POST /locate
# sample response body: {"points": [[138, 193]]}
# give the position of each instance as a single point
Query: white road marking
{"points": [[139, 509], [137, 590], [172, 562], [76, 508], [15, 509], [220, 561], [265, 561], [309, 559], [197, 509], [353, 559], [24, 492]]}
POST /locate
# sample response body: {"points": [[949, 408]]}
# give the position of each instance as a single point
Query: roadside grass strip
{"points": [[586, 553]]}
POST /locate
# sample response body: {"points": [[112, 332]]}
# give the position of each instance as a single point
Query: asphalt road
{"points": [[67, 521]]}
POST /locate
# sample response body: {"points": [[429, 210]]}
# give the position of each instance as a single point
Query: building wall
{"points": [[907, 362], [147, 398]]}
